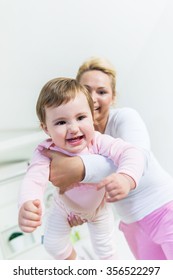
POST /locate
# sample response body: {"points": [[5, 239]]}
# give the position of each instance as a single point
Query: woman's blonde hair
{"points": [[60, 91], [99, 64]]}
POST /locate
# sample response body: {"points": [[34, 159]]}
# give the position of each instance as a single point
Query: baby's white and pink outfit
{"points": [[84, 199]]}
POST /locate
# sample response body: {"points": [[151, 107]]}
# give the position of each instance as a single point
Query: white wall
{"points": [[47, 38]]}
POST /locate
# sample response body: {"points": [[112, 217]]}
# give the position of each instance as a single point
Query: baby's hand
{"points": [[117, 186], [30, 215], [75, 220]]}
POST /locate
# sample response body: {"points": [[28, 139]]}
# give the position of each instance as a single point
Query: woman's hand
{"points": [[64, 170]]}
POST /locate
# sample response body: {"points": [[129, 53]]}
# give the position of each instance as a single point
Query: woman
{"points": [[146, 213]]}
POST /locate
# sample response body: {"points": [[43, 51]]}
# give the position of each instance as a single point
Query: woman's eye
{"points": [[102, 92]]}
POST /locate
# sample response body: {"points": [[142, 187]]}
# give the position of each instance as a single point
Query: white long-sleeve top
{"points": [[82, 197], [155, 187]]}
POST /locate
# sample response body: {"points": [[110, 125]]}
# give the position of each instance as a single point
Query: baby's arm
{"points": [[130, 162], [30, 215], [30, 200]]}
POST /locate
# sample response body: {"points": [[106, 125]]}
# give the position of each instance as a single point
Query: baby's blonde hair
{"points": [[99, 64], [60, 91]]}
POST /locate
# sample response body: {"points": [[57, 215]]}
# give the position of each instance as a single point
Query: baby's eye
{"points": [[80, 118], [60, 123]]}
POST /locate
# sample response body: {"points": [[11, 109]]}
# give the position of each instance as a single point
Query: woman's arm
{"points": [[66, 170]]}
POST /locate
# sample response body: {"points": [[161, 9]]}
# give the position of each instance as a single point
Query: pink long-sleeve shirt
{"points": [[84, 197]]}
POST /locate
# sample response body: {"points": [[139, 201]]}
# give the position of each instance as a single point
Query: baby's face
{"points": [[70, 125]]}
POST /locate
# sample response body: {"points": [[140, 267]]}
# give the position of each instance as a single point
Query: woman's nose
{"points": [[94, 96]]}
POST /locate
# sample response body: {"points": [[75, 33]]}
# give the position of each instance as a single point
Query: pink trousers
{"points": [[151, 238]]}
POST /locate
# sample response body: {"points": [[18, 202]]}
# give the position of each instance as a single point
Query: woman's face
{"points": [[99, 86]]}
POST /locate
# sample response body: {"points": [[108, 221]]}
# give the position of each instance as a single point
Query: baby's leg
{"points": [[57, 234], [102, 231]]}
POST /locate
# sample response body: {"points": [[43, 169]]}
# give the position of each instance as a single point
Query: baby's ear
{"points": [[44, 127]]}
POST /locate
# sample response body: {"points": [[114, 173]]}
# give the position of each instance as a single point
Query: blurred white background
{"points": [[44, 39]]}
